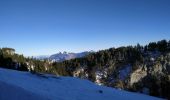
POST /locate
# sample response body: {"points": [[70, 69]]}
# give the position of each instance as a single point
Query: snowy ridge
{"points": [[17, 85]]}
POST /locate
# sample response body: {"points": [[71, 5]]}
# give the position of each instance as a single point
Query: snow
{"points": [[123, 73], [145, 90], [10, 92], [15, 85]]}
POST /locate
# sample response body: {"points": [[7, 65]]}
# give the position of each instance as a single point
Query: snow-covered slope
{"points": [[15, 85]]}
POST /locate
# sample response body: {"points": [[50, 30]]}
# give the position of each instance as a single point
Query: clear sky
{"points": [[42, 27]]}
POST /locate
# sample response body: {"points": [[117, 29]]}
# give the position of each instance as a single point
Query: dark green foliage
{"points": [[154, 86], [8, 59], [168, 45], [161, 46], [59, 70], [23, 67], [136, 87], [152, 46], [165, 87]]}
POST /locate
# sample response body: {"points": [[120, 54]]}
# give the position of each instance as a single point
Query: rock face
{"points": [[9, 51], [137, 75]]}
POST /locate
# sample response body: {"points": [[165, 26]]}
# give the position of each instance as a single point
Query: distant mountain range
{"points": [[58, 57]]}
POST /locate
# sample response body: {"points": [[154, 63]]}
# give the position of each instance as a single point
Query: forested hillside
{"points": [[144, 69]]}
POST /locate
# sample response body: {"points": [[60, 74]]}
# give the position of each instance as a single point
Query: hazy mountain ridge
{"points": [[59, 57]]}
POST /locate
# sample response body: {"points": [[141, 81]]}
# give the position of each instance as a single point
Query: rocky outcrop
{"points": [[137, 75]]}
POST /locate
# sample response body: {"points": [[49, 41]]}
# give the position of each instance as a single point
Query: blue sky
{"points": [[42, 27]]}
